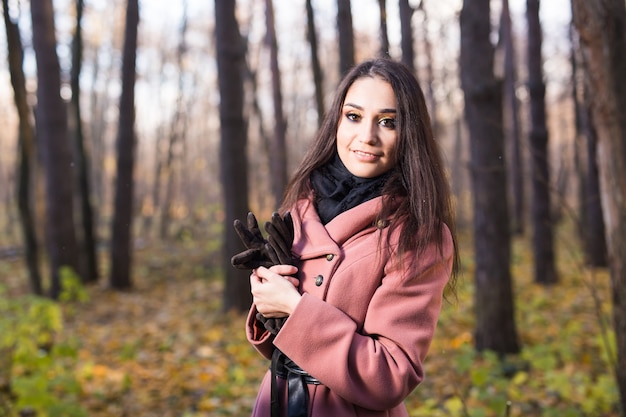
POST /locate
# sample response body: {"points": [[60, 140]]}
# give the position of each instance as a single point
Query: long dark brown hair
{"points": [[419, 174]]}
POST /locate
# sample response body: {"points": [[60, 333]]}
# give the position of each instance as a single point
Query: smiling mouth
{"points": [[367, 155]]}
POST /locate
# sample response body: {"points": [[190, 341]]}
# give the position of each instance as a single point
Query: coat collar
{"points": [[313, 239]]}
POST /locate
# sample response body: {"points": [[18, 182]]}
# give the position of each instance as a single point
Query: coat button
{"points": [[319, 280], [330, 257]]}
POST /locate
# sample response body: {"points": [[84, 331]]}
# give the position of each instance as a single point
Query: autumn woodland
{"points": [[135, 133]]}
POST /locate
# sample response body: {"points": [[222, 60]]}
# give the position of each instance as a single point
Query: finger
{"points": [[253, 227], [255, 278], [288, 220], [243, 233], [277, 238], [283, 270], [278, 227], [271, 253], [245, 256]]}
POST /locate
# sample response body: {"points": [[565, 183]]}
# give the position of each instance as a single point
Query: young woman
{"points": [[375, 247]]}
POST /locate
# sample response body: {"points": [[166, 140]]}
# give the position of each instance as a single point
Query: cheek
{"points": [[343, 137], [392, 146]]}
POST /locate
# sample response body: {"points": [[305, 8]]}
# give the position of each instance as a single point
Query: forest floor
{"points": [[166, 349]]}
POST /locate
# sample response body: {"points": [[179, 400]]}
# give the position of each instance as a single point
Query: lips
{"points": [[365, 156]]}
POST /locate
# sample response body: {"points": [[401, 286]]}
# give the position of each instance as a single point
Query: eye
{"points": [[353, 117], [388, 122]]}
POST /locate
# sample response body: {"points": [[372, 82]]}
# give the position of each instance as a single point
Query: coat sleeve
{"points": [[378, 366], [257, 335]]}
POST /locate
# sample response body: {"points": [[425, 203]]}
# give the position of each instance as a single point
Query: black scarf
{"points": [[337, 190]]}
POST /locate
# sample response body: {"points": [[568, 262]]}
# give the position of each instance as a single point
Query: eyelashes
{"points": [[385, 121]]}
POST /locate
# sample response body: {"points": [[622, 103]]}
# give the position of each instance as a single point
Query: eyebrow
{"points": [[356, 106]]}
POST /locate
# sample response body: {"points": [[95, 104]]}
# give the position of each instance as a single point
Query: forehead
{"points": [[371, 92]]}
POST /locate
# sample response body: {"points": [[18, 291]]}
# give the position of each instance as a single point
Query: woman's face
{"points": [[366, 135]]}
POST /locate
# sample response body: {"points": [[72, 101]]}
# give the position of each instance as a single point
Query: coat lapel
{"points": [[313, 239]]}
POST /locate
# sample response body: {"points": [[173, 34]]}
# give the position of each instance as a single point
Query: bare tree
{"points": [[233, 163], [278, 148], [55, 147], [26, 138], [346, 36], [384, 38], [542, 241], [171, 170], [601, 25], [430, 73], [406, 31], [591, 223], [316, 67], [512, 123], [121, 233], [494, 303], [88, 258]]}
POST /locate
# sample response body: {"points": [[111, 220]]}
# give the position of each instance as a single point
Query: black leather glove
{"points": [[272, 325], [276, 250], [256, 253], [280, 236]]}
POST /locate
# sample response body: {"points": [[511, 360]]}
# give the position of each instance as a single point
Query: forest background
{"points": [[104, 319]]}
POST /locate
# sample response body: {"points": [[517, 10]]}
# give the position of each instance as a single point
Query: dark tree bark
{"points": [[601, 25], [121, 233], [594, 236], [511, 107], [278, 149], [318, 75], [55, 146], [542, 241], [384, 38], [27, 150], [406, 33], [346, 36], [88, 252], [233, 166], [591, 223], [494, 302]]}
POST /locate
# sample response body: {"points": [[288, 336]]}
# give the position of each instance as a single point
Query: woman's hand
{"points": [[274, 292]]}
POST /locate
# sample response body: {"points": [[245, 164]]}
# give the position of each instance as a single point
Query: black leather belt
{"points": [[297, 379]]}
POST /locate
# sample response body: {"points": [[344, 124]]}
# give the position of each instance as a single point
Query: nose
{"points": [[368, 133]]}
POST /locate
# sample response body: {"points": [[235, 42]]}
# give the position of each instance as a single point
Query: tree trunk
{"points": [[384, 39], [318, 76], [542, 242], [494, 303], [158, 164], [233, 163], [259, 187], [121, 233], [594, 236], [591, 222], [511, 107], [430, 74], [346, 36], [176, 137], [55, 145], [27, 150], [88, 251], [406, 33], [278, 151], [601, 25]]}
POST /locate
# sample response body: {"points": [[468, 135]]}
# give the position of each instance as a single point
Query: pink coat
{"points": [[361, 328]]}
